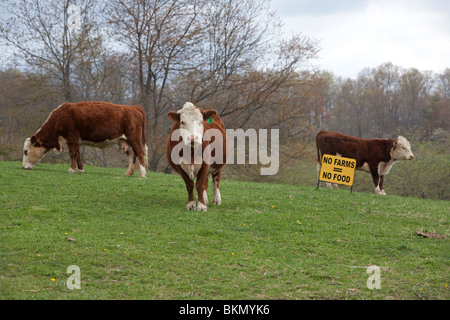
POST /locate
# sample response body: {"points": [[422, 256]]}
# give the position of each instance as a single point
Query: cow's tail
{"points": [[318, 146], [318, 165], [144, 140]]}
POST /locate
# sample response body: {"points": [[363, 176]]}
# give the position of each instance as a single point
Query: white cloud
{"points": [[403, 32]]}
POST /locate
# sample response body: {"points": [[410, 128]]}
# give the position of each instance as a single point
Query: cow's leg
{"points": [[74, 152], [131, 158], [190, 189], [381, 186], [216, 181], [139, 153], [202, 176], [80, 163], [376, 179], [332, 185], [205, 193]]}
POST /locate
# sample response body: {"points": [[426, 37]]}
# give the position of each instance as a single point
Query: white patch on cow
{"points": [[338, 154], [364, 167], [201, 207], [379, 191], [401, 150], [130, 171], [205, 197], [332, 185], [142, 170], [216, 197], [191, 169], [31, 154], [191, 124], [190, 205], [385, 167], [63, 146], [71, 170]]}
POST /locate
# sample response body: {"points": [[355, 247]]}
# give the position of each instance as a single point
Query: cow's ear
{"points": [[34, 141], [174, 116], [209, 113]]}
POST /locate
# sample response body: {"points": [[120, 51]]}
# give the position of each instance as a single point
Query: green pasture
{"points": [[133, 239]]}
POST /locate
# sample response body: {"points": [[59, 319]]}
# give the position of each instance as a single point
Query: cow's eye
{"points": [[25, 152], [182, 123]]}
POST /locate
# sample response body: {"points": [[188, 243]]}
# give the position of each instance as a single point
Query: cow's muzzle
{"points": [[193, 141]]}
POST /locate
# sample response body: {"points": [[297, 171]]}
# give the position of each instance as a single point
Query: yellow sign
{"points": [[337, 170]]}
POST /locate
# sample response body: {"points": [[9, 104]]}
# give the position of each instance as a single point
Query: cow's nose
{"points": [[411, 157], [193, 139]]}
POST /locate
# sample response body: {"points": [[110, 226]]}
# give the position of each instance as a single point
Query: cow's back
{"points": [[336, 143], [99, 121], [363, 150]]}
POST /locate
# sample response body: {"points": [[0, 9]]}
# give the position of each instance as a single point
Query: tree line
{"points": [[226, 54]]}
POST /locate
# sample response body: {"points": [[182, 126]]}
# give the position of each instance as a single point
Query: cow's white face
{"points": [[191, 125], [402, 150], [32, 154]]}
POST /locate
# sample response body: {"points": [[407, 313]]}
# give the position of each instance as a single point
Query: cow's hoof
{"points": [[217, 201], [71, 170], [217, 198], [190, 205], [80, 170], [128, 173], [379, 191], [201, 207]]}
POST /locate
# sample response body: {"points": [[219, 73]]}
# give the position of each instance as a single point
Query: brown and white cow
{"points": [[197, 147], [95, 124], [375, 156]]}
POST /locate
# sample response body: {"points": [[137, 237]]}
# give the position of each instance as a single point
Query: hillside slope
{"points": [[133, 239]]}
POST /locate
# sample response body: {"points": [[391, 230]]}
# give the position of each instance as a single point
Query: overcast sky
{"points": [[355, 34]]}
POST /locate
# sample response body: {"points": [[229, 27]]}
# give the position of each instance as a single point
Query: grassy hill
{"points": [[133, 239]]}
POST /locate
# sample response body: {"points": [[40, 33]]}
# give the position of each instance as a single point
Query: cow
{"points": [[201, 138], [375, 156], [91, 123]]}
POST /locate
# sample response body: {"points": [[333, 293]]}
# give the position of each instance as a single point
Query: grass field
{"points": [[133, 239]]}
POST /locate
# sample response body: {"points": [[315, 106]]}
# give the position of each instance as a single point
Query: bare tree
{"points": [[161, 36], [41, 34]]}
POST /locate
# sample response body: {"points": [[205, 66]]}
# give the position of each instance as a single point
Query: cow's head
{"points": [[402, 150], [33, 152], [191, 120]]}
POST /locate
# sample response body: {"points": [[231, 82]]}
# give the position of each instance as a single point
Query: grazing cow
{"points": [[95, 124], [201, 137], [375, 156]]}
